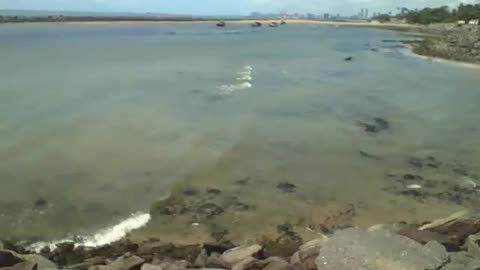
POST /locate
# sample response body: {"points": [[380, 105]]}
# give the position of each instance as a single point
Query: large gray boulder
{"points": [[22, 266], [473, 245], [238, 254], [7, 258], [308, 249], [125, 262], [10, 258], [358, 249], [474, 265]]}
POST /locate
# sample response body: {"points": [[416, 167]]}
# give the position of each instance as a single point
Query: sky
{"points": [[224, 7]]}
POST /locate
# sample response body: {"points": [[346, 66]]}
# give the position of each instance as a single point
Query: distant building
{"points": [[366, 13], [326, 16], [362, 13]]}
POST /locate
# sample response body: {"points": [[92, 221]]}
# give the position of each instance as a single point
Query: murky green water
{"points": [[97, 121]]}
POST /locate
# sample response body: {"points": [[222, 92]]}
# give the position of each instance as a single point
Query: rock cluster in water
{"points": [[449, 243], [451, 42]]}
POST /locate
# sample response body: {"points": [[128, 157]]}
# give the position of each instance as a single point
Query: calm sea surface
{"points": [[99, 121]]}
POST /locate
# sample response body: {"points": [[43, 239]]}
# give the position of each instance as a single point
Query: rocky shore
{"points": [[449, 243], [457, 43]]}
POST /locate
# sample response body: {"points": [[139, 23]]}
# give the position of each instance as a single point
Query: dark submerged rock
{"points": [[243, 182], [221, 24], [208, 210], [460, 170], [40, 203], [381, 123], [190, 192], [214, 191], [287, 187], [376, 125], [365, 154], [348, 59]]}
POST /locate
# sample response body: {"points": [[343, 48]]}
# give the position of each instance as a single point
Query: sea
{"points": [[100, 121]]}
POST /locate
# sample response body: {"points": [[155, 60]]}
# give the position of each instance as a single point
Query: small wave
{"points": [[244, 73], [247, 78], [249, 68], [102, 237], [227, 89], [244, 78]]}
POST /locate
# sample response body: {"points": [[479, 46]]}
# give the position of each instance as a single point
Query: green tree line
{"points": [[441, 14]]}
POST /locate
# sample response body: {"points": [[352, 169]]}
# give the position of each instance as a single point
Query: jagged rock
{"points": [[99, 267], [454, 266], [148, 266], [41, 261], [65, 247], [423, 237], [457, 227], [88, 263], [201, 260], [285, 245], [460, 258], [8, 258], [176, 265], [475, 265], [244, 264], [473, 246], [217, 247], [311, 248], [306, 264], [162, 251], [126, 262], [214, 261], [357, 249], [276, 263], [22, 266], [235, 255]]}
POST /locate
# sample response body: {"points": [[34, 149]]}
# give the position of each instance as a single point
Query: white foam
{"points": [[102, 237], [249, 68], [247, 78], [244, 78], [244, 73], [414, 186], [227, 89]]}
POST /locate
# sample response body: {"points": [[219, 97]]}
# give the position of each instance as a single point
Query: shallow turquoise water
{"points": [[100, 120]]}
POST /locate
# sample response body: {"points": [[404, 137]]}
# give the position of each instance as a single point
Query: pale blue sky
{"points": [[216, 7]]}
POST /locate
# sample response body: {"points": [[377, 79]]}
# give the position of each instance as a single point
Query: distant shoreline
{"points": [[94, 21]]}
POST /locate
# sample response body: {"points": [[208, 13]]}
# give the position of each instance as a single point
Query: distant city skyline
{"points": [[222, 7]]}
